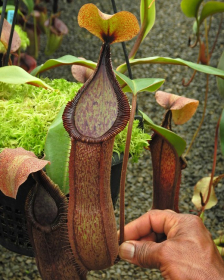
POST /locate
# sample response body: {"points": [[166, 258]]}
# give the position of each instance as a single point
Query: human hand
{"points": [[188, 252]]}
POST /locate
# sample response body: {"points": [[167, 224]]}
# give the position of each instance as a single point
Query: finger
{"points": [[144, 254], [150, 237], [158, 221]]}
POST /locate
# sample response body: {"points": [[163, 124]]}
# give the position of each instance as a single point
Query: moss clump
{"points": [[26, 113], [25, 42], [139, 141]]}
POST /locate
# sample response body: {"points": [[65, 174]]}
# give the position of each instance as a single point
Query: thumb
{"points": [[142, 253]]}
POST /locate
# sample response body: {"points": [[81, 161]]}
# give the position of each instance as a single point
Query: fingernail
{"points": [[126, 251]]}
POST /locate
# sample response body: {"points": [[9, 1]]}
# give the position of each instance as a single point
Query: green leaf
{"points": [[64, 60], [178, 143], [210, 8], [138, 85], [220, 82], [57, 150], [16, 75], [190, 7], [148, 16], [8, 8], [195, 27], [219, 240], [29, 4], [175, 61], [221, 129]]}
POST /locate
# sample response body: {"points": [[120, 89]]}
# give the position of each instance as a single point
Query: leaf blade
{"points": [[57, 150], [173, 61], [210, 8], [16, 165], [175, 140], [16, 75], [147, 15], [221, 129], [220, 82], [190, 7], [64, 60], [138, 85]]}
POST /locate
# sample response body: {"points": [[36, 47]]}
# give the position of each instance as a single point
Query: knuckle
{"points": [[142, 254]]}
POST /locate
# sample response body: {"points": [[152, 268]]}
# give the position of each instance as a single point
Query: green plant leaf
{"points": [[16, 75], [221, 250], [195, 27], [221, 129], [175, 61], [8, 8], [210, 8], [219, 240], [148, 16], [57, 150], [220, 82], [138, 85], [190, 7], [11, 8], [178, 143], [64, 60], [29, 4]]}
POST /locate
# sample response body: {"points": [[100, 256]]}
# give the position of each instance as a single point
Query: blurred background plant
{"points": [[32, 18]]}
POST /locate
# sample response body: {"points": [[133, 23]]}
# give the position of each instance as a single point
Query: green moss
{"points": [[2, 48], [26, 113], [139, 141], [25, 42]]}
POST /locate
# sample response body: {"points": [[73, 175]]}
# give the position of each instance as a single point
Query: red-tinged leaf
{"points": [[5, 37], [182, 108], [17, 76], [201, 192], [167, 166], [81, 73], [122, 26], [15, 166]]}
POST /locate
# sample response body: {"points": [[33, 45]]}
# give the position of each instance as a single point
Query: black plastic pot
{"points": [[13, 225], [13, 228], [116, 168]]}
